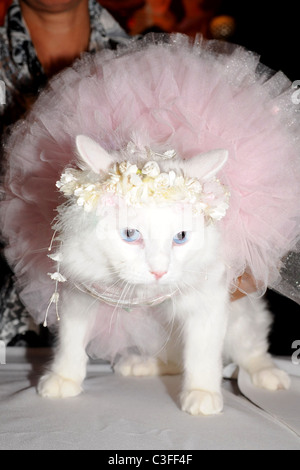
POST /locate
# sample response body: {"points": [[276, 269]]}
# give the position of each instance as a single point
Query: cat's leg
{"points": [[204, 331], [247, 343], [68, 368]]}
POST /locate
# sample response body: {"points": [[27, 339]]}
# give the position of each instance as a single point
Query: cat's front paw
{"points": [[54, 386], [201, 402], [271, 378]]}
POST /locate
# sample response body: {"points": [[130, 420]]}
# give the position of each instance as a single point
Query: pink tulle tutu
{"points": [[191, 97]]}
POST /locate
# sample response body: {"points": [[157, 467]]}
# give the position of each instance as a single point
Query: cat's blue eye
{"points": [[130, 235], [181, 238]]}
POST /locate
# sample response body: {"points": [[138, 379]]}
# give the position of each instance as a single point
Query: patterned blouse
{"points": [[21, 79], [20, 69]]}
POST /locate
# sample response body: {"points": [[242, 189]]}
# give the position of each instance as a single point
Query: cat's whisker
{"points": [[194, 271], [200, 275], [179, 289], [130, 287], [42, 250], [191, 286], [170, 325], [131, 294], [122, 298], [111, 279], [117, 307]]}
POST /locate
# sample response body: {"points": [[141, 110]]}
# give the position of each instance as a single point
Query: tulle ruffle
{"points": [[165, 93], [116, 330]]}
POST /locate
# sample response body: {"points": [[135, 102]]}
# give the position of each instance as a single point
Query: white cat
{"points": [[157, 239]]}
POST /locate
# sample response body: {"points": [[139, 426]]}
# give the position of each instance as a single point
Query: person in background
{"points": [[155, 15], [123, 10], [197, 17], [4, 4], [39, 38], [190, 17]]}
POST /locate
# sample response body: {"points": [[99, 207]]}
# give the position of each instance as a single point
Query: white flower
{"points": [[67, 182], [67, 177], [78, 190], [151, 169], [162, 181], [80, 201], [168, 154], [172, 177], [56, 256], [144, 193], [90, 188], [131, 169], [194, 185], [179, 181], [219, 211], [164, 156], [90, 203], [135, 180], [114, 178], [57, 277], [131, 196], [123, 167], [110, 187]]}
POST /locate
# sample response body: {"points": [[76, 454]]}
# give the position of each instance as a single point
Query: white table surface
{"points": [[132, 413]]}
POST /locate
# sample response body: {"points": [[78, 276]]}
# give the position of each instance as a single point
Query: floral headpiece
{"points": [[140, 186]]}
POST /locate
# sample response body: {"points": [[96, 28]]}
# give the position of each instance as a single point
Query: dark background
{"points": [[272, 30]]}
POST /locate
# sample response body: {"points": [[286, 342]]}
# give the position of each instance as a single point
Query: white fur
{"points": [[207, 327]]}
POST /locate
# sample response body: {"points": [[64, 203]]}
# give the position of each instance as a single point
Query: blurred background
{"points": [[268, 28]]}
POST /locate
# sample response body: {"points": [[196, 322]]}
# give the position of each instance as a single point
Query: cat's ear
{"points": [[92, 154], [206, 165]]}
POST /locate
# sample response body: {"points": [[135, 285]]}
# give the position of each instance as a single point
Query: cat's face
{"points": [[147, 219], [152, 245]]}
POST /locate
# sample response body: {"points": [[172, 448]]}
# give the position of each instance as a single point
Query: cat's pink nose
{"points": [[158, 274]]}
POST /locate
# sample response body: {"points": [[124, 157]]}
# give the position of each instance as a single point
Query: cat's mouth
{"points": [[125, 297]]}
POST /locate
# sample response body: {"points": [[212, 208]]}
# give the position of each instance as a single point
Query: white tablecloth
{"points": [[122, 413]]}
